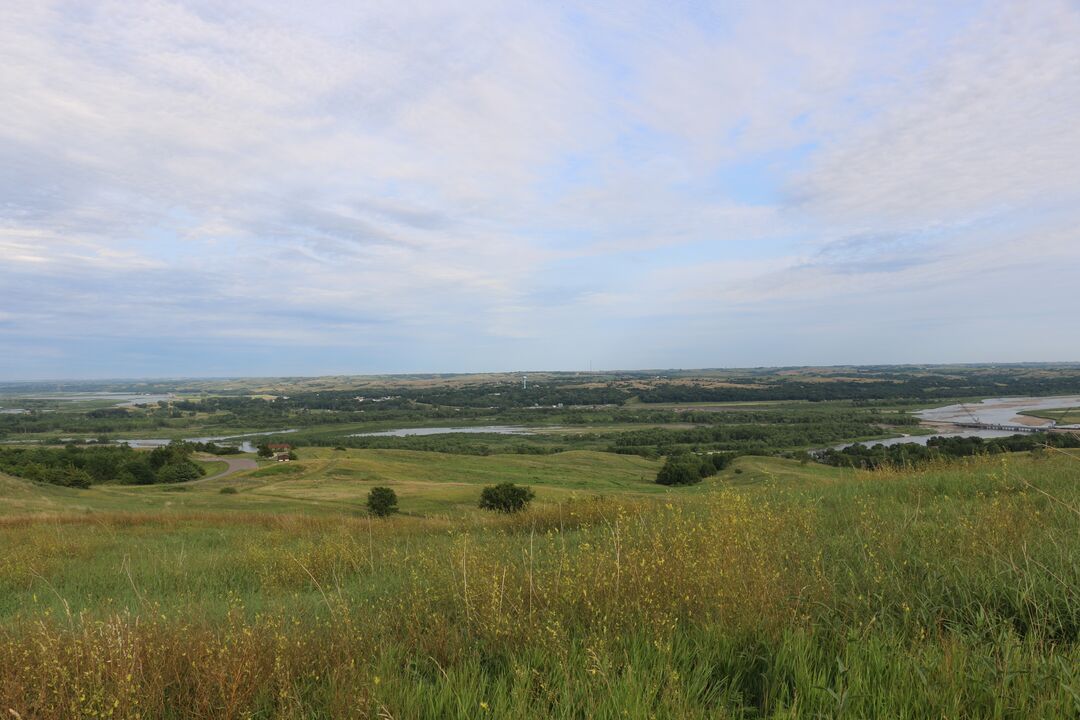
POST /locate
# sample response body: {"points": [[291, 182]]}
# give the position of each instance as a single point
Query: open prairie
{"points": [[772, 589]]}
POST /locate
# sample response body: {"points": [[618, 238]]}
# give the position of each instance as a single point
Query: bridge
{"points": [[1007, 428]]}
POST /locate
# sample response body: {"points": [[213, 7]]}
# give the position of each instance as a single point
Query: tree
{"points": [[265, 451], [139, 471], [74, 477], [179, 472], [382, 501], [681, 470], [506, 497]]}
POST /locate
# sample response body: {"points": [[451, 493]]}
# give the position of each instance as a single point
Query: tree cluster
{"points": [[691, 468], [84, 466], [871, 457]]}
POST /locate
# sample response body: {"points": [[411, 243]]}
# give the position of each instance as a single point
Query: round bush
{"points": [[506, 497], [382, 501]]}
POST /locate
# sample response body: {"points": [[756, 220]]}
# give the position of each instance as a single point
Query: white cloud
{"points": [[990, 128], [446, 177]]}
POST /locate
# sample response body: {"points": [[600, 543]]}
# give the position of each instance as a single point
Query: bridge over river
{"points": [[1049, 427]]}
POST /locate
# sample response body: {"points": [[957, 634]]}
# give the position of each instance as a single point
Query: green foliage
{"points": [[506, 497], [690, 468], [228, 490], [74, 466], [179, 472], [686, 469], [214, 448], [907, 454], [382, 501]]}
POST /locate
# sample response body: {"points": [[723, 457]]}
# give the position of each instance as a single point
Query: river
{"points": [[992, 411], [244, 445]]}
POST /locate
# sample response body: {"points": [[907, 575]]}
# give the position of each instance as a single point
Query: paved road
{"points": [[236, 464]]}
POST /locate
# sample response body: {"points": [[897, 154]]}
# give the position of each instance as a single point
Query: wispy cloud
{"points": [[427, 186]]}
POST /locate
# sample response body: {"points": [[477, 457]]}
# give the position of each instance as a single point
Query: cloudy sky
{"points": [[265, 188]]}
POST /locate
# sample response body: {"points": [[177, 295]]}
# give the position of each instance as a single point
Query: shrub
{"points": [[683, 470], [74, 477], [382, 501], [183, 471], [721, 460], [506, 497], [228, 490]]}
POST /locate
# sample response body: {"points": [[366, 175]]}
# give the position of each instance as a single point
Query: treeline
{"points": [[93, 423], [757, 438], [212, 448], [931, 386], [82, 467], [871, 457], [451, 443], [488, 397]]}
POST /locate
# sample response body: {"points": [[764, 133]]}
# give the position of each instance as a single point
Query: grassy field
{"points": [[337, 481], [775, 589]]}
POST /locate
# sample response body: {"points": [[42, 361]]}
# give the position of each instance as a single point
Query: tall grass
{"points": [[948, 592]]}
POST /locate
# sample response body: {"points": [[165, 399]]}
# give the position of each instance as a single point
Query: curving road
{"points": [[236, 464]]}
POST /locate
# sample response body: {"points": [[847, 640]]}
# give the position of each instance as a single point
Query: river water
{"points": [[1001, 411], [244, 445], [993, 411]]}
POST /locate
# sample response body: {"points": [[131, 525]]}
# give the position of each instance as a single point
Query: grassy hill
{"points": [[774, 589], [335, 481]]}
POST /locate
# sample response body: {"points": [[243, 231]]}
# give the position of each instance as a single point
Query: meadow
{"points": [[774, 589]]}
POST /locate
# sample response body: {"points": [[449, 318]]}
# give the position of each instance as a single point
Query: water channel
{"points": [[992, 411]]}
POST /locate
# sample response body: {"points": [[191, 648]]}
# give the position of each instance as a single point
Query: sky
{"points": [[244, 188]]}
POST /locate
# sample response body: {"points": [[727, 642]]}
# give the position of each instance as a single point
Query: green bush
{"points": [[683, 470], [382, 501], [183, 471], [228, 490], [506, 497]]}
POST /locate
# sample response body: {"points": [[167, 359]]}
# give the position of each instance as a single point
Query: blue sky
{"points": [[262, 188]]}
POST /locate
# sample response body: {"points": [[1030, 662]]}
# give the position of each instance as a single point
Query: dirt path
{"points": [[236, 464]]}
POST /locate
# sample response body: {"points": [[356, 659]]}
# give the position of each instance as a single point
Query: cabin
{"points": [[280, 447], [282, 457]]}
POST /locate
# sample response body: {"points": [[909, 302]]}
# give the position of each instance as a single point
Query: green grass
{"points": [[213, 467], [326, 480], [785, 590]]}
